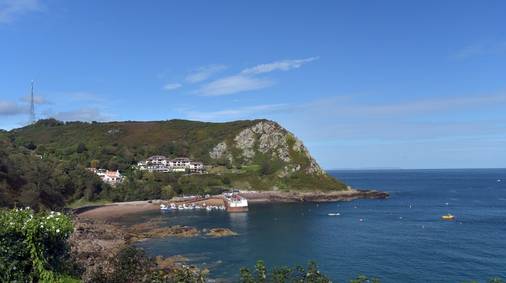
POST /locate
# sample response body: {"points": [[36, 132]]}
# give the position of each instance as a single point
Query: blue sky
{"points": [[409, 84]]}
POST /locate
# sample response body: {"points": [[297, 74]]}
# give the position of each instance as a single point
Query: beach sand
{"points": [[116, 210]]}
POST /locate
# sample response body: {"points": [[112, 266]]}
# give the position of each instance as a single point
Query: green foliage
{"points": [[364, 279], [283, 274], [42, 183], [33, 247]]}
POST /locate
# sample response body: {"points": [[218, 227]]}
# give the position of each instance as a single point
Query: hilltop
{"points": [[250, 154]]}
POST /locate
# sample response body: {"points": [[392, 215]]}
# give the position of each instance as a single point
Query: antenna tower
{"points": [[32, 107]]}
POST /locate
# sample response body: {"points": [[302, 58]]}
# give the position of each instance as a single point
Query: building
{"points": [[156, 163], [109, 177], [180, 164], [196, 167], [160, 163]]}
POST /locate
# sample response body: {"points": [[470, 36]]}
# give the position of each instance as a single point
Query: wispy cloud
{"points": [[11, 9], [282, 65], [172, 86], [37, 99], [8, 108], [203, 73], [248, 79], [234, 84], [480, 49]]}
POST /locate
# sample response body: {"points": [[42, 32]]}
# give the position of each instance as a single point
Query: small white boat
{"points": [[334, 214], [164, 207]]}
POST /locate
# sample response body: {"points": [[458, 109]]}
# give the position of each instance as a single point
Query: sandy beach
{"points": [[118, 209]]}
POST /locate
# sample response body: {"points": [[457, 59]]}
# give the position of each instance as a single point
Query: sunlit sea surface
{"points": [[401, 239]]}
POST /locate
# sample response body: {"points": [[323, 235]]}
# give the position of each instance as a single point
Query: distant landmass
{"points": [[47, 160]]}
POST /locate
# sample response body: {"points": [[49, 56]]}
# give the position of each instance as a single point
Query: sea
{"points": [[399, 239]]}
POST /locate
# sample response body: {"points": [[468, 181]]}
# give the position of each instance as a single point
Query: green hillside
{"points": [[253, 154]]}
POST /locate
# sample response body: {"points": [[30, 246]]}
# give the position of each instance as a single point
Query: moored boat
{"points": [[235, 203], [448, 217]]}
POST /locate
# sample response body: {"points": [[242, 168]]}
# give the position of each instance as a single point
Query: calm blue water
{"points": [[401, 239]]}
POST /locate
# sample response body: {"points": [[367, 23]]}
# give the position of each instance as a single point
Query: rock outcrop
{"points": [[268, 139]]}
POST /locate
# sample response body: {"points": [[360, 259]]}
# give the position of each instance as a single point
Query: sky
{"points": [[364, 84]]}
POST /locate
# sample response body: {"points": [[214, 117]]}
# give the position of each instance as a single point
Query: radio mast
{"points": [[32, 107]]}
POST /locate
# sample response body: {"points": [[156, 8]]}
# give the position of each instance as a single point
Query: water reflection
{"points": [[238, 220]]}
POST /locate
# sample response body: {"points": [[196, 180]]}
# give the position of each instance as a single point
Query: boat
{"points": [[234, 202], [448, 217], [164, 207], [334, 214]]}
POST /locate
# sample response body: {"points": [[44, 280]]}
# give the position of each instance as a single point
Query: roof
{"points": [[157, 157]]}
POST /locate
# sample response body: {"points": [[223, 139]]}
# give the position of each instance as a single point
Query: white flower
{"points": [[57, 230]]}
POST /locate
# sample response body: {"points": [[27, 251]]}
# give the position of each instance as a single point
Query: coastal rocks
{"points": [[94, 243], [152, 229], [331, 196], [220, 232]]}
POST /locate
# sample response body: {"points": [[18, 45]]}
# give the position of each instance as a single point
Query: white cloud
{"points": [[283, 65], [233, 84], [36, 99], [248, 80], [11, 9], [204, 73], [172, 86], [82, 114], [8, 108]]}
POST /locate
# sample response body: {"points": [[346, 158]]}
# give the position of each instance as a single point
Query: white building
{"points": [[196, 167], [109, 177], [160, 163], [156, 163]]}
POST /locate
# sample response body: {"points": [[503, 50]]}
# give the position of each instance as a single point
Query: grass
{"points": [[82, 202]]}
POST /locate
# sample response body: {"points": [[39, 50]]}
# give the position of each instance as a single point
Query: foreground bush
{"points": [[283, 274], [33, 246]]}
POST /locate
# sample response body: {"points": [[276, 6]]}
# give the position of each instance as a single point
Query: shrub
{"points": [[33, 247], [283, 274]]}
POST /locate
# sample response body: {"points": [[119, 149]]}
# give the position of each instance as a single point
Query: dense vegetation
{"points": [[43, 165], [33, 247], [28, 180]]}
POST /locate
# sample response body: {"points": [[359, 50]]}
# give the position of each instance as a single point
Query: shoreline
{"points": [[116, 210]]}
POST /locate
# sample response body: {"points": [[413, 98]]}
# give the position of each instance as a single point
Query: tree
{"points": [[81, 148], [266, 168]]}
